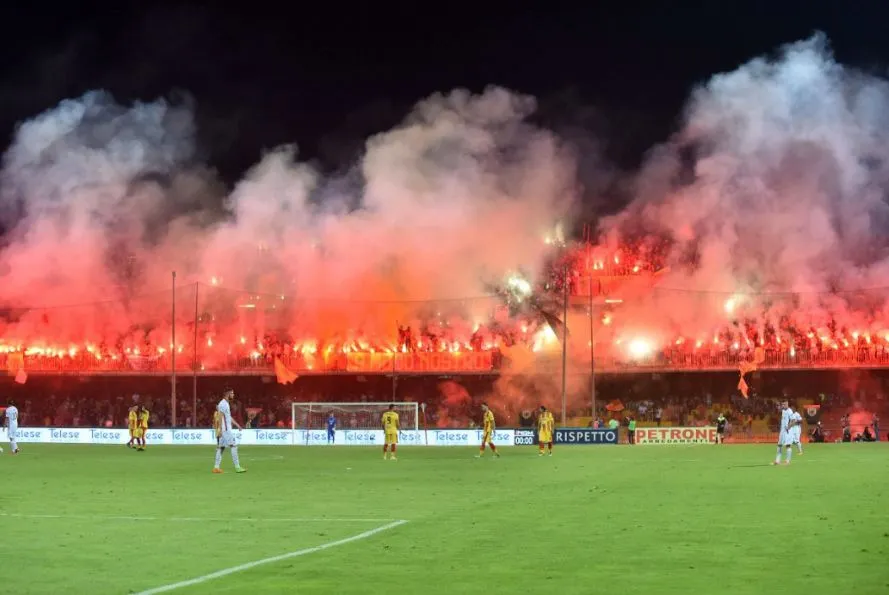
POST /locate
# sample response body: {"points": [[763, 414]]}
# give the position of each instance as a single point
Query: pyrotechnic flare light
{"points": [[519, 285], [640, 348]]}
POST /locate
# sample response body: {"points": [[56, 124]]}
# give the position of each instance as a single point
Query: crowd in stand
{"points": [[678, 399]]}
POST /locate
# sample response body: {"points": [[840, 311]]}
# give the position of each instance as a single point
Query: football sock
{"points": [[13, 445], [235, 460], [789, 454], [218, 458], [778, 456]]}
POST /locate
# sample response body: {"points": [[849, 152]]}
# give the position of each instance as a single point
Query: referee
{"points": [[720, 428]]}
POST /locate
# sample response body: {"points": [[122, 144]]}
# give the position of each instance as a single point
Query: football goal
{"points": [[351, 416]]}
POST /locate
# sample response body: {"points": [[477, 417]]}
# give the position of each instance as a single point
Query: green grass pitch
{"points": [[591, 519]]}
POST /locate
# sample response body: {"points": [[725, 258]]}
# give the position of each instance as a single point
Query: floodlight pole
{"points": [[592, 351], [194, 379], [565, 346], [173, 355]]}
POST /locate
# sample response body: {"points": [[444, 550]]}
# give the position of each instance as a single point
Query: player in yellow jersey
{"points": [[143, 425], [488, 433], [137, 427], [390, 431], [545, 424], [132, 424]]}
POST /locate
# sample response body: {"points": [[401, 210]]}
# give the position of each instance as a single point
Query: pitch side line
{"points": [[249, 565], [86, 517]]}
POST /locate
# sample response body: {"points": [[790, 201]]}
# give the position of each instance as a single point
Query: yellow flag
{"points": [[284, 374]]}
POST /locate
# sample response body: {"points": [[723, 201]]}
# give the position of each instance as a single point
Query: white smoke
{"points": [[105, 201], [776, 183]]}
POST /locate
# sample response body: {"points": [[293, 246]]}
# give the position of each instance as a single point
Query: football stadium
{"points": [[444, 379]]}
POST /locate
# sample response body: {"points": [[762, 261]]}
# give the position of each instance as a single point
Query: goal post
{"points": [[351, 416]]}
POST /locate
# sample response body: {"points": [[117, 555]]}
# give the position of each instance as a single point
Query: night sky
{"points": [[615, 74]]}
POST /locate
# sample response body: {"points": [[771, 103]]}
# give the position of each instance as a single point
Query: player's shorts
{"points": [[12, 431], [545, 437], [137, 433], [720, 430], [228, 439], [391, 437], [487, 437], [131, 432], [785, 439]]}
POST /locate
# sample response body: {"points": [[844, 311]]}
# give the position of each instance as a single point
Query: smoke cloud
{"points": [[770, 198], [103, 201]]}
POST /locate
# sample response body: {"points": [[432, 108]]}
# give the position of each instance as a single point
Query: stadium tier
{"points": [[419, 363]]}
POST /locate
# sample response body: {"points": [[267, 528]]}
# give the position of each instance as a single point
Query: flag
{"points": [[15, 362], [813, 413], [284, 374], [554, 323], [21, 376], [759, 355], [615, 406]]}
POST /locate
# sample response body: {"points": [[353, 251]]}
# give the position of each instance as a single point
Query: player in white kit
{"points": [[785, 437], [12, 426], [797, 431], [227, 437]]}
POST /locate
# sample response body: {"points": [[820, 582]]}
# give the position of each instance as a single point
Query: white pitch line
{"points": [[85, 517], [287, 556]]}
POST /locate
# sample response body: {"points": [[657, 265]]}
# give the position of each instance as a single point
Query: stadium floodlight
{"points": [[351, 416]]}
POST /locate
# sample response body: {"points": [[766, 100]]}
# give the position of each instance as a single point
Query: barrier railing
{"points": [[465, 362]]}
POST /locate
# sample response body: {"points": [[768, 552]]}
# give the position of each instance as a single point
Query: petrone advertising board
{"points": [[681, 435], [270, 437]]}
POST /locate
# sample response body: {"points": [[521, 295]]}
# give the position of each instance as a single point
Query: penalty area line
{"points": [[87, 517], [242, 567]]}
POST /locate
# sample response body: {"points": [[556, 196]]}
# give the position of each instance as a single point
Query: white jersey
{"points": [[12, 417], [797, 430], [225, 412], [785, 436]]}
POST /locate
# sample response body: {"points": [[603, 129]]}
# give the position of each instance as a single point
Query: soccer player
{"points": [[797, 429], [720, 428], [545, 425], [488, 434], [12, 425], [331, 428], [226, 434], [785, 440], [143, 425], [390, 432], [132, 423]]}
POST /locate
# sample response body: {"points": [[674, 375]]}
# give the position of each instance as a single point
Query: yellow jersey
{"points": [[489, 421], [133, 418], [143, 419], [545, 422], [390, 421]]}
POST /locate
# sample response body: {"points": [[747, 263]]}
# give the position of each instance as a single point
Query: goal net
{"points": [[350, 416]]}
